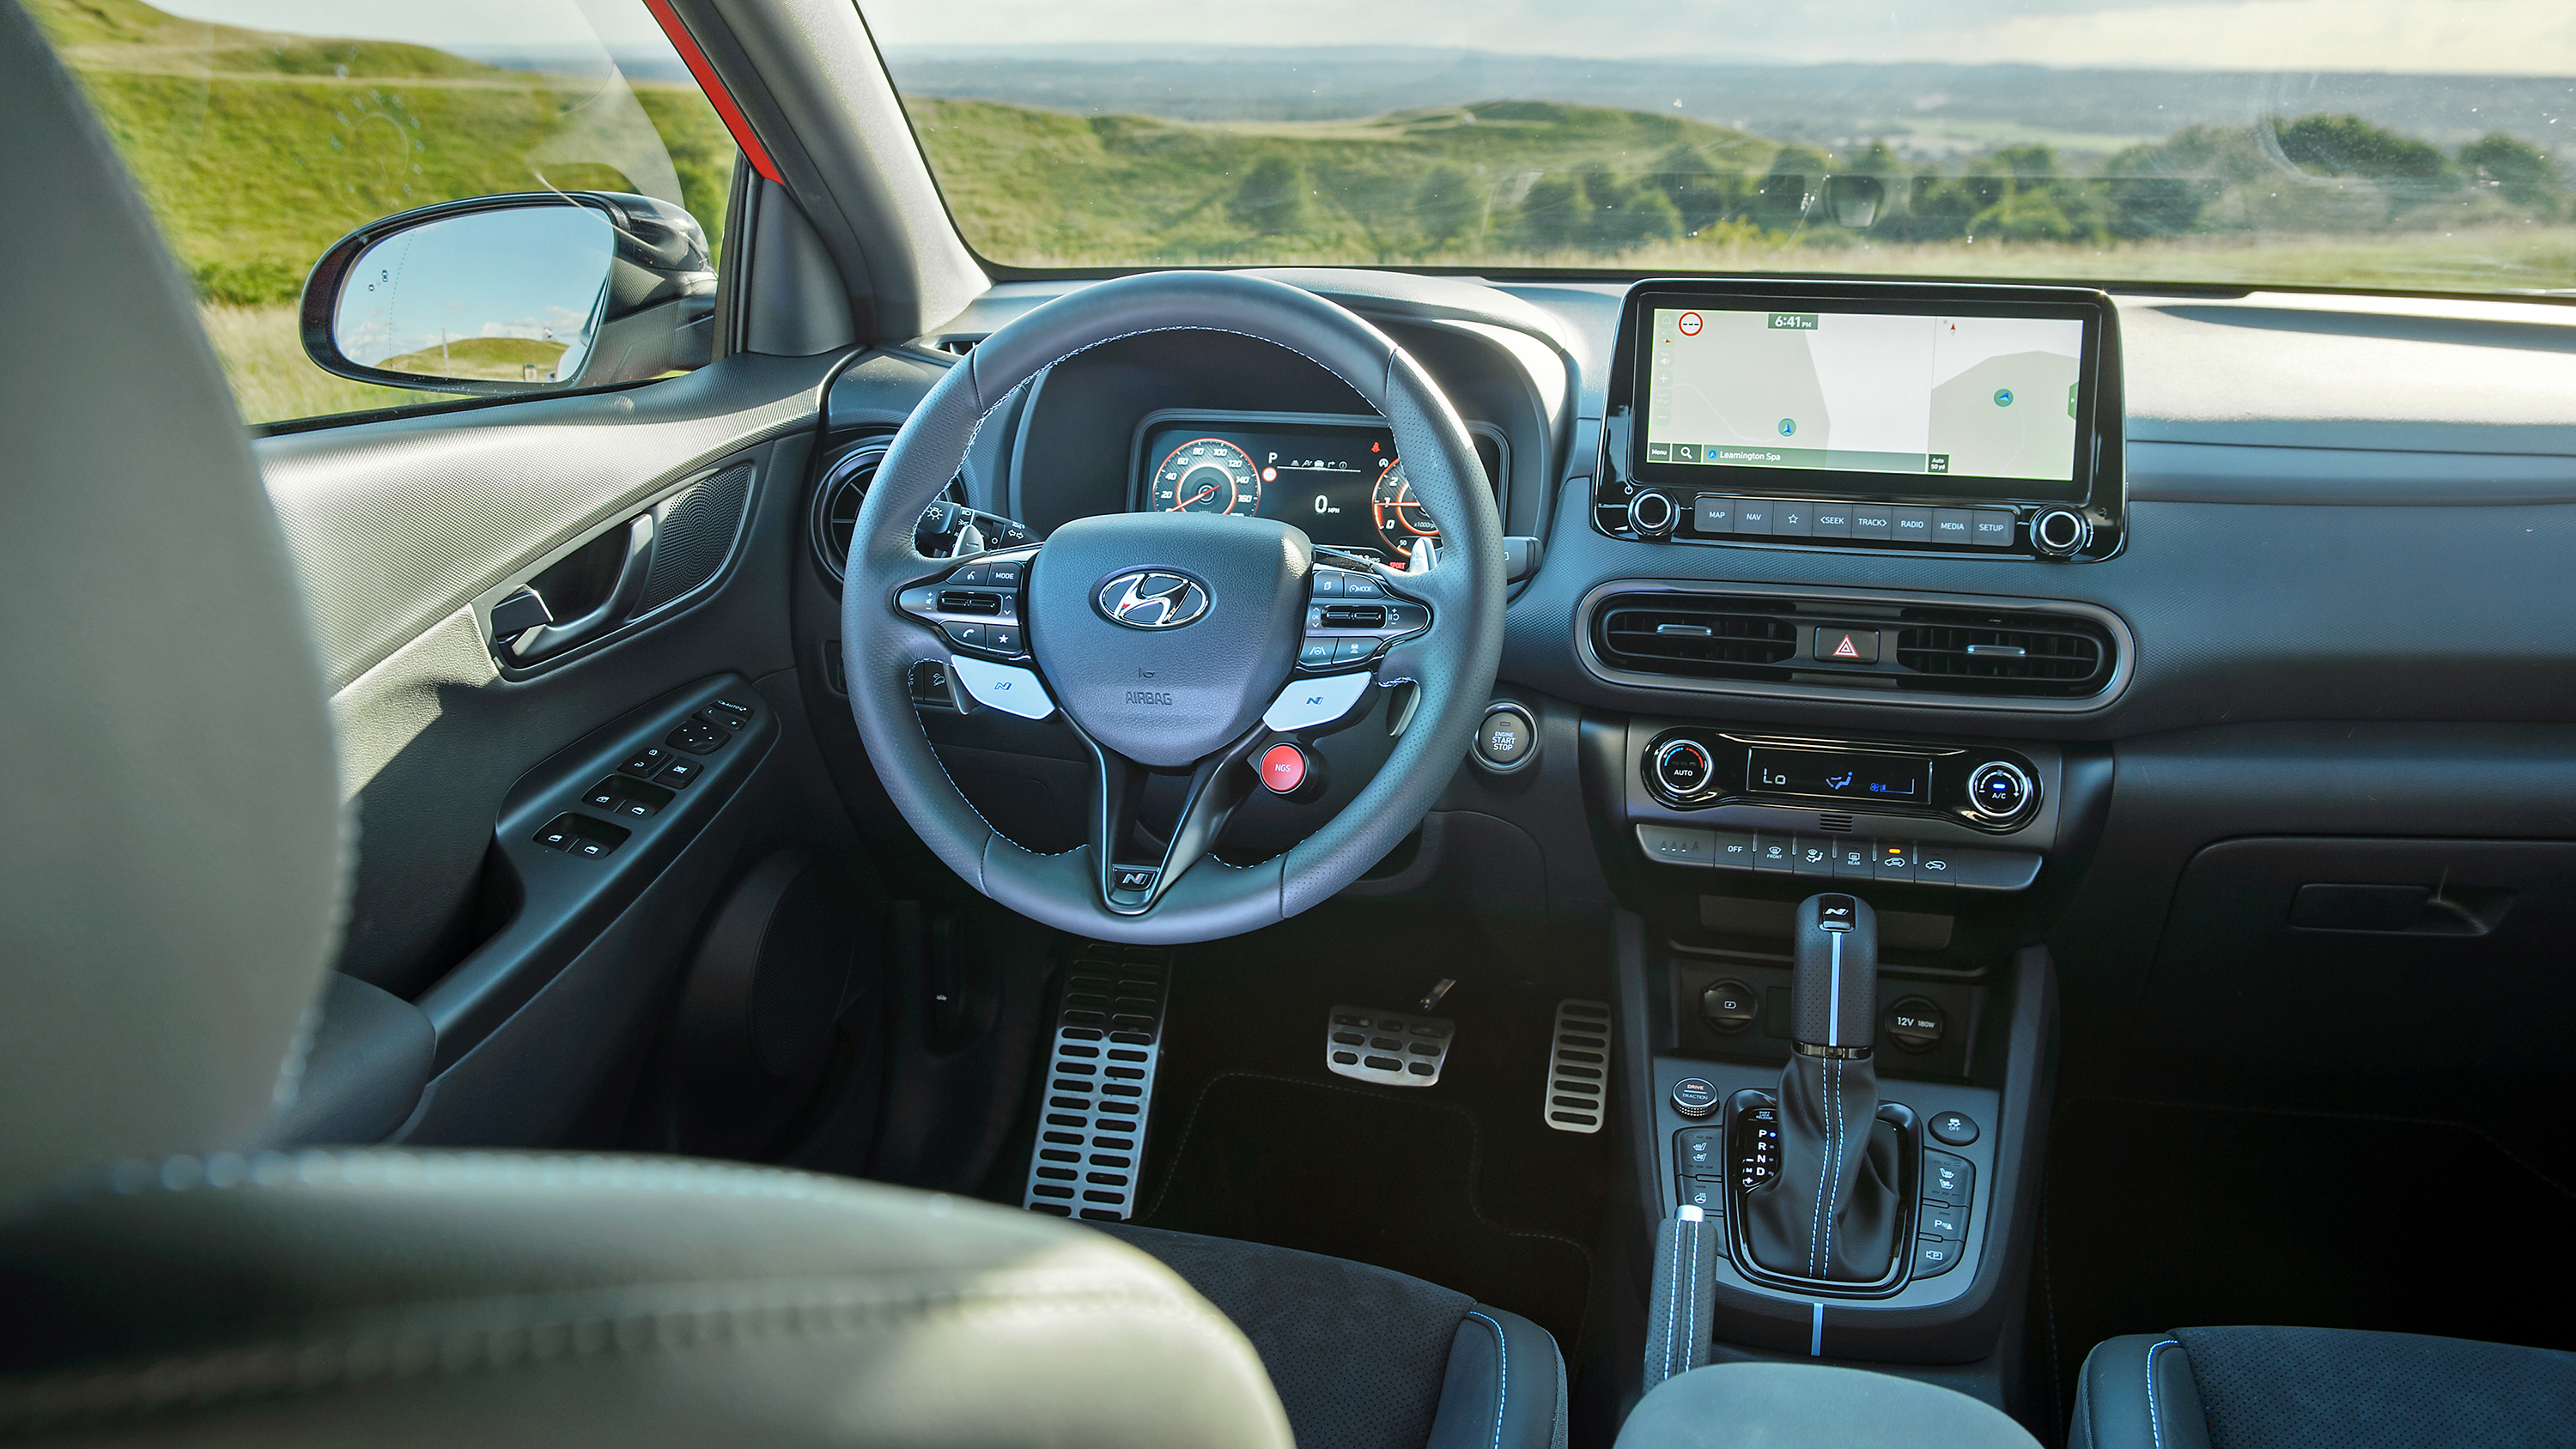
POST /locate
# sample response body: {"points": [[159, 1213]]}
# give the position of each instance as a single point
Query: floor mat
{"points": [[1461, 1183], [1364, 1174], [2160, 1217]]}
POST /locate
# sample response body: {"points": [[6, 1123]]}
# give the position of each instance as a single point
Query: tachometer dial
{"points": [[1400, 517], [1206, 475]]}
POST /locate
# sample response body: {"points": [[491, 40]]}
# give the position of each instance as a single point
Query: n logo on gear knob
{"points": [[1153, 599]]}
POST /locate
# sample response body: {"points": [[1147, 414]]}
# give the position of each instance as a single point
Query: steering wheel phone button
{"points": [[970, 635], [972, 574]]}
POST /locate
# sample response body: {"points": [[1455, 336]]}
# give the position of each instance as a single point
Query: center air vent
{"points": [[1679, 634], [2035, 655], [1885, 645], [837, 499]]}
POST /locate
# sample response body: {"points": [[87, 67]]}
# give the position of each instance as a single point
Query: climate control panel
{"points": [[1990, 789]]}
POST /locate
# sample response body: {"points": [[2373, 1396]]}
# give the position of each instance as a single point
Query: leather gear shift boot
{"points": [[1833, 1211]]}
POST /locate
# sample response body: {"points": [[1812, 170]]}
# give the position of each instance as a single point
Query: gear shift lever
{"points": [[1832, 1212]]}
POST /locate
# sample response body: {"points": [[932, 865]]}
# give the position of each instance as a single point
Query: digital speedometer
{"points": [[1206, 475], [1400, 517]]}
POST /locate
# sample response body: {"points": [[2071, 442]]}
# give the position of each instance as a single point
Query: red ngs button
{"points": [[1283, 768]]}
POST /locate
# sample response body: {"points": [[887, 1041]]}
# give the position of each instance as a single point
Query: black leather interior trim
{"points": [[2136, 1392], [1504, 1388]]}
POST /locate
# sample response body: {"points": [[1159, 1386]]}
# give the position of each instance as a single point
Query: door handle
{"points": [[548, 640]]}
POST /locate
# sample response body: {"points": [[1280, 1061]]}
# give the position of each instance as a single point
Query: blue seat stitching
{"points": [[2155, 1422], [1503, 1369]]}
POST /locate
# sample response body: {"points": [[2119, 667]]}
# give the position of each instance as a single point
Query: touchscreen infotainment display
{"points": [[1939, 396]]}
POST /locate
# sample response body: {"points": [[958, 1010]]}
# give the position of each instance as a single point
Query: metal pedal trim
{"points": [[1089, 1157], [1578, 1067], [1390, 1048]]}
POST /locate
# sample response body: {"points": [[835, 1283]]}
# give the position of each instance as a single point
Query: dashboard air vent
{"points": [[1676, 634], [2032, 655], [838, 496]]}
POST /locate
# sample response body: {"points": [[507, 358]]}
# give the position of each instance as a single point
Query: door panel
{"points": [[543, 973]]}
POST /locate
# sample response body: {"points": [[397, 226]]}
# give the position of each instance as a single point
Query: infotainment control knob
{"points": [[2060, 532], [1653, 513], [1999, 791]]}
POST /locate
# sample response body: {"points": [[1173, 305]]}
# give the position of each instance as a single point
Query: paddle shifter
{"points": [[1833, 1210]]}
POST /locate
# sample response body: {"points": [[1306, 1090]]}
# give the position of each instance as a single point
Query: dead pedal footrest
{"points": [[1578, 1067], [1090, 1152], [1390, 1048]]}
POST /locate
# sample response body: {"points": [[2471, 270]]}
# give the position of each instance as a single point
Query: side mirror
{"points": [[534, 292]]}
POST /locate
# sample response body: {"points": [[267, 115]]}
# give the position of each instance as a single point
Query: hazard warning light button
{"points": [[1847, 646]]}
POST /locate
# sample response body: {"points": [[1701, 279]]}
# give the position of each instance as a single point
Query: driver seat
{"points": [[170, 893]]}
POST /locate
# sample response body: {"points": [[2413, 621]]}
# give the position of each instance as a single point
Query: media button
{"points": [[1872, 520], [1953, 526], [1913, 525], [1753, 515], [1992, 527]]}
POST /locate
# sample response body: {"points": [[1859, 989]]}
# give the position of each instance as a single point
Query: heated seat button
{"points": [[1948, 1179], [1702, 1151]]}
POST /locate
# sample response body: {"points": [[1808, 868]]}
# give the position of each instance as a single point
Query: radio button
{"points": [[1954, 525], [1913, 525], [1872, 520], [1775, 854], [1894, 861], [1993, 527], [1792, 520]]}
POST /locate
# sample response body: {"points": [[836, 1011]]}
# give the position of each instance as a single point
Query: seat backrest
{"points": [[170, 847]]}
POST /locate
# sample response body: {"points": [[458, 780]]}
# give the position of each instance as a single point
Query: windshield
{"points": [[2400, 144]]}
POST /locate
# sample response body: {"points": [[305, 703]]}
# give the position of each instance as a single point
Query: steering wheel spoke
{"points": [[1130, 885]]}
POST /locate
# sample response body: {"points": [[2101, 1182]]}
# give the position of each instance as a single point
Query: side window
{"points": [[260, 140]]}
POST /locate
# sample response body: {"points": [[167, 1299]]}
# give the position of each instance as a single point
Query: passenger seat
{"points": [[2288, 1388]]}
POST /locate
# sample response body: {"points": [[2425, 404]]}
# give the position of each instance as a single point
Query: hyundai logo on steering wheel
{"points": [[1153, 599]]}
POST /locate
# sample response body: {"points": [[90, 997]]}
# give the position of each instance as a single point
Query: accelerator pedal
{"points": [[1578, 1067], [1090, 1153], [1390, 1048]]}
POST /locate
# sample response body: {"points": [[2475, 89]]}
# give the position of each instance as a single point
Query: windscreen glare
{"points": [[2398, 144]]}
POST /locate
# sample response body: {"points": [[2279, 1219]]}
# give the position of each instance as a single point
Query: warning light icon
{"points": [[1844, 650]]}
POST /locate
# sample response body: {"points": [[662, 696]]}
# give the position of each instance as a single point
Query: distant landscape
{"points": [[258, 150]]}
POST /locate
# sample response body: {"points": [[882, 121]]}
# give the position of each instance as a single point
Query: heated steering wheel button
{"points": [[1283, 769], [1955, 1128]]}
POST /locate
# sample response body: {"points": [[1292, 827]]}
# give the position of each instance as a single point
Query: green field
{"points": [[257, 151]]}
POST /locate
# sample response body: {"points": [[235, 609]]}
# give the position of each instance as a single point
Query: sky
{"points": [[2512, 37]]}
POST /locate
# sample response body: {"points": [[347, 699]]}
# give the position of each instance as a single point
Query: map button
{"points": [[1713, 513]]}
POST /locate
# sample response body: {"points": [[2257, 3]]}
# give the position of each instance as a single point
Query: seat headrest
{"points": [[169, 813]]}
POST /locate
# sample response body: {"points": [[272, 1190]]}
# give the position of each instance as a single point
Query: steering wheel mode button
{"points": [[1307, 703], [1283, 769]]}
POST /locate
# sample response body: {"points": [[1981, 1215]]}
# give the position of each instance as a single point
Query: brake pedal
{"points": [[1090, 1153], [1390, 1048], [1578, 1067]]}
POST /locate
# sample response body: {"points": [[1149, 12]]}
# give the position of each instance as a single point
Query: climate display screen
{"points": [[1840, 776]]}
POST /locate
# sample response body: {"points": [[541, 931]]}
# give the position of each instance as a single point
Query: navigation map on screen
{"points": [[1978, 397]]}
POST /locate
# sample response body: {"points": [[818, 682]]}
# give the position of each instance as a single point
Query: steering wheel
{"points": [[1172, 642]]}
